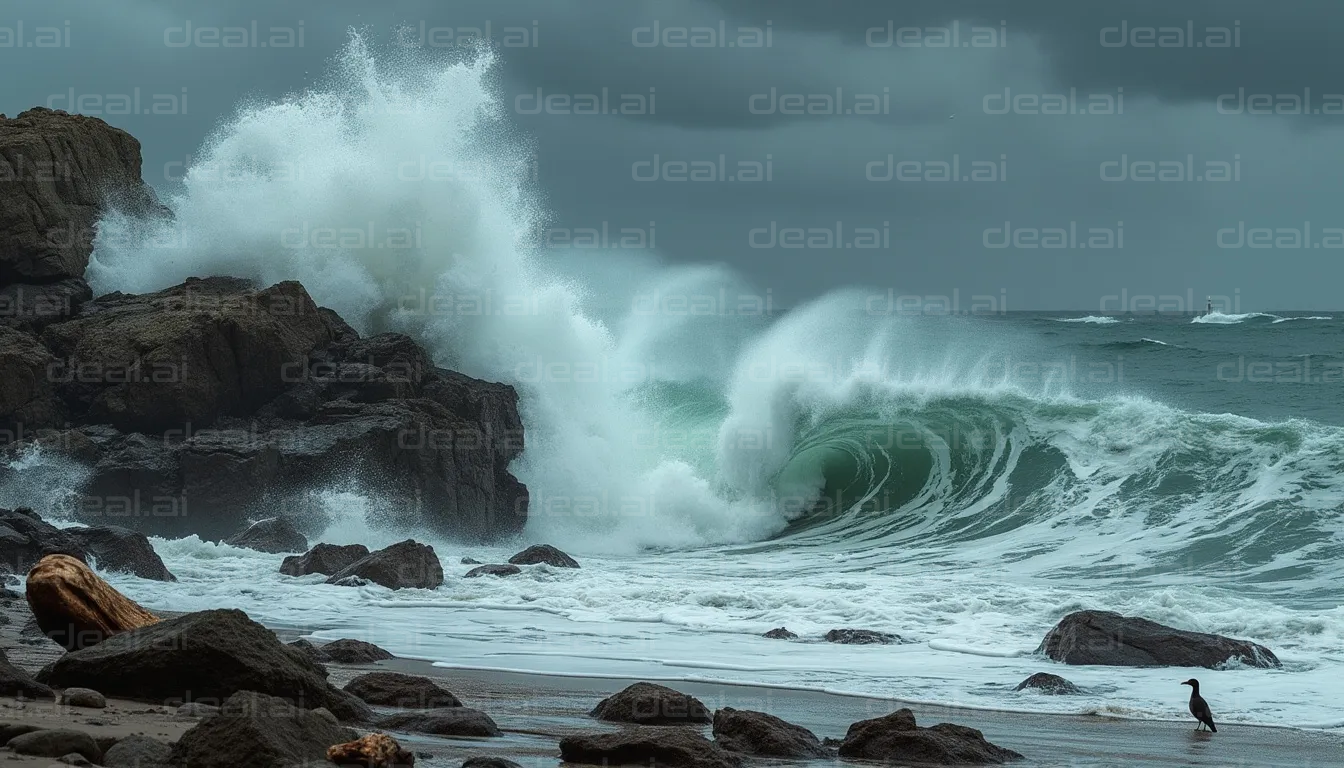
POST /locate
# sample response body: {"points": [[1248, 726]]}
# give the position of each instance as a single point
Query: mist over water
{"points": [[1023, 468]]}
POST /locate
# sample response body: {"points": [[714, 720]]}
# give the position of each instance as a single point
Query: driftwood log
{"points": [[75, 607], [377, 750]]}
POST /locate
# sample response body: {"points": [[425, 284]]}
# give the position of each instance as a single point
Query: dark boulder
{"points": [[544, 553], [1049, 684], [488, 761], [28, 401], [31, 307], [323, 558], [470, 561], [672, 747], [780, 633], [274, 535], [57, 742], [897, 739], [407, 564], [349, 651], [454, 721], [205, 656], [394, 689], [1104, 637], [756, 733], [122, 550], [493, 570], [861, 637], [137, 751], [650, 704], [311, 651], [25, 538], [261, 732], [19, 684], [61, 172], [83, 697]]}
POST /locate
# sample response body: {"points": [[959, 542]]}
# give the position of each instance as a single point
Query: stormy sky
{"points": [[1198, 151]]}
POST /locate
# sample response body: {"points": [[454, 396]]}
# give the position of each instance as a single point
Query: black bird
{"points": [[1199, 707]]}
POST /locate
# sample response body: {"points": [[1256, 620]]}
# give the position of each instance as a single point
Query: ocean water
{"points": [[961, 480]]}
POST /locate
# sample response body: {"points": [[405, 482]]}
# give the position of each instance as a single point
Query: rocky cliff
{"points": [[215, 401]]}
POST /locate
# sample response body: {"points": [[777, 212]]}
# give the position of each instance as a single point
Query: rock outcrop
{"points": [[407, 564], [61, 172], [1047, 683], [650, 704], [394, 689], [861, 637], [454, 721], [323, 558], [205, 657], [492, 570], [1104, 637], [544, 553], [274, 535], [258, 730], [756, 733], [137, 751], [26, 538], [897, 739], [15, 682], [76, 608], [780, 633], [122, 550], [646, 745], [349, 651]]}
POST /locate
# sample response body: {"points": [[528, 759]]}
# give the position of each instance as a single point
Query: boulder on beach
{"points": [[206, 657], [349, 651], [407, 564], [323, 558], [394, 689], [861, 637], [896, 738], [273, 535], [646, 745], [122, 550], [311, 651], [26, 538], [780, 633], [137, 751], [259, 731], [452, 721], [57, 742], [650, 704], [376, 750], [16, 682], [83, 697], [1048, 684], [544, 553], [756, 733], [493, 570], [1108, 638], [488, 761], [62, 172], [76, 608]]}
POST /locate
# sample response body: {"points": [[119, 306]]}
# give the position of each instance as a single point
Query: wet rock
{"points": [[1048, 683], [470, 561], [453, 721], [780, 633], [10, 730], [274, 535], [544, 553], [28, 400], [394, 689], [493, 570], [354, 652], [861, 637], [311, 651], [62, 172], [257, 730], [644, 745], [56, 742], [122, 550], [30, 307], [74, 758], [195, 709], [137, 751], [650, 704], [76, 608], [487, 761], [204, 656], [83, 697], [25, 538], [19, 684], [407, 564], [897, 739], [1104, 637], [376, 750], [323, 558], [756, 733]]}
